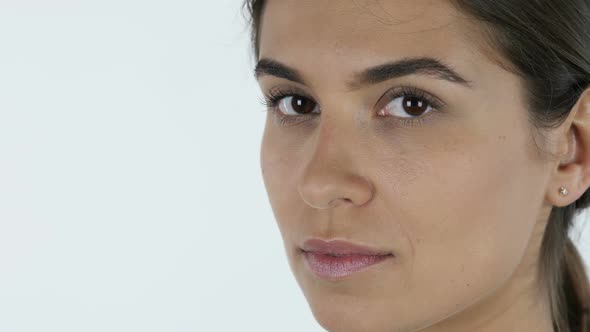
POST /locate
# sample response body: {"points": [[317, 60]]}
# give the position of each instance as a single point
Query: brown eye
{"points": [[297, 105], [414, 106], [407, 107]]}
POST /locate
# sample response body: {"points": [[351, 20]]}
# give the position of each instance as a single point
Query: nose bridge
{"points": [[338, 128], [330, 176], [331, 136]]}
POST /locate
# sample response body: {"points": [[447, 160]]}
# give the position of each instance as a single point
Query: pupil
{"points": [[302, 105], [414, 106]]}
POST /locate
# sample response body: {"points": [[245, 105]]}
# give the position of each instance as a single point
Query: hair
{"points": [[547, 44]]}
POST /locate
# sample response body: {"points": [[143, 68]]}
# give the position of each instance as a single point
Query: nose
{"points": [[331, 178], [329, 189]]}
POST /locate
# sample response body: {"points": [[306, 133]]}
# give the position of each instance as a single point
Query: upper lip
{"points": [[340, 247]]}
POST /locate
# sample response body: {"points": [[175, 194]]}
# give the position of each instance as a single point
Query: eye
{"points": [[404, 105], [408, 103], [289, 106], [296, 105]]}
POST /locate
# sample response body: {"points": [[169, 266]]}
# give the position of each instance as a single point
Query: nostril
{"points": [[338, 201]]}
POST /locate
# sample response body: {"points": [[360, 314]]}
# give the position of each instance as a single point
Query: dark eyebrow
{"points": [[373, 75]]}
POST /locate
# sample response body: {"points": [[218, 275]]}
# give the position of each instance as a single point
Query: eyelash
{"points": [[274, 97]]}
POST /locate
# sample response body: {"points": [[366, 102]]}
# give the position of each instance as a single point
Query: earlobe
{"points": [[572, 175]]}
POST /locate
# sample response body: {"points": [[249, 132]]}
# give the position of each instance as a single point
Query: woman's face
{"points": [[457, 196]]}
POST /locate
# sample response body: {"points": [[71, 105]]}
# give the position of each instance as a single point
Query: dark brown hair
{"points": [[547, 44]]}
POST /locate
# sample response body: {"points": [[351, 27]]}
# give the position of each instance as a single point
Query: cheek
{"points": [[466, 211], [279, 169]]}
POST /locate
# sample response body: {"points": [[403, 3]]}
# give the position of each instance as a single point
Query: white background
{"points": [[131, 197]]}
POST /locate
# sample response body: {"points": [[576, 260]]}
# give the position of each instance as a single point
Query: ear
{"points": [[573, 170]]}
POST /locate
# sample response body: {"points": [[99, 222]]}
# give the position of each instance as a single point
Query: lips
{"points": [[336, 267], [337, 259], [339, 248]]}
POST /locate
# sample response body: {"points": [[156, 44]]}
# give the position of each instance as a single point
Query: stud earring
{"points": [[563, 191]]}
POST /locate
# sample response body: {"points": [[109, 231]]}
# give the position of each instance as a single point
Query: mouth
{"points": [[330, 266], [338, 259]]}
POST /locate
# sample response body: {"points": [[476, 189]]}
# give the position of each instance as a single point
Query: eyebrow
{"points": [[407, 66]]}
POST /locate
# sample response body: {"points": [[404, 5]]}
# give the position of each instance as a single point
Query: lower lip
{"points": [[335, 267]]}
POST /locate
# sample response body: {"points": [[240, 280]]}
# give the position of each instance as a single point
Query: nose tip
{"points": [[324, 191]]}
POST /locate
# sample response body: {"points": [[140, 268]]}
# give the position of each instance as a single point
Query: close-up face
{"points": [[392, 127]]}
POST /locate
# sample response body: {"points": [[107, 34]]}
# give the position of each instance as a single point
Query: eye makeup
{"points": [[274, 98]]}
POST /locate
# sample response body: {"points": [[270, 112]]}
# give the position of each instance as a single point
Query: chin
{"points": [[347, 314]]}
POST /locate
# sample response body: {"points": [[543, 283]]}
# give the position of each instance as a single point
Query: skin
{"points": [[461, 199]]}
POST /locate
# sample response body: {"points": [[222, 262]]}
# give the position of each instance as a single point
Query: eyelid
{"points": [[290, 90], [408, 90], [277, 93]]}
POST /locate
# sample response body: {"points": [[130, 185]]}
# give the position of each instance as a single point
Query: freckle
{"points": [[503, 138], [468, 284]]}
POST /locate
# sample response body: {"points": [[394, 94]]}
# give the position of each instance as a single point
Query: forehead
{"points": [[340, 36]]}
